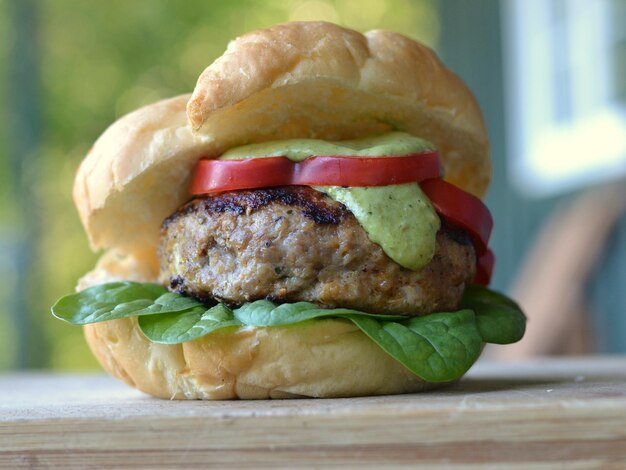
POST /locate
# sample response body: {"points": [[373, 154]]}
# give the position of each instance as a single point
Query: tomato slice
{"points": [[461, 209], [212, 176], [484, 268]]}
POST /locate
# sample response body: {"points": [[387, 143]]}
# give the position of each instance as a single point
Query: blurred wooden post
{"points": [[24, 138]]}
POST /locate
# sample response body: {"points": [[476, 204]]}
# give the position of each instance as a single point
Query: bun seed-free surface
{"points": [[296, 80]]}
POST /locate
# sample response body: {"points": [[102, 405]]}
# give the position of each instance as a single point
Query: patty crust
{"points": [[291, 244]]}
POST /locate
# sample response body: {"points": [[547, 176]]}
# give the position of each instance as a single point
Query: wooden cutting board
{"points": [[557, 413]]}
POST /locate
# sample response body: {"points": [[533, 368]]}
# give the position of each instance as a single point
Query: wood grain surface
{"points": [[557, 413]]}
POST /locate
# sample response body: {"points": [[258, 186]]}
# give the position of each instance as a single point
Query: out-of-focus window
{"points": [[566, 92]]}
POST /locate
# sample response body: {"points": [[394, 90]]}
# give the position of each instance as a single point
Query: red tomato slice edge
{"points": [[484, 268], [461, 209], [212, 176]]}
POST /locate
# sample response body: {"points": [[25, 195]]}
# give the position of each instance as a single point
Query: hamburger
{"points": [[307, 223]]}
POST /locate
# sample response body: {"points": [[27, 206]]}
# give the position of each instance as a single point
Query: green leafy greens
{"points": [[438, 347]]}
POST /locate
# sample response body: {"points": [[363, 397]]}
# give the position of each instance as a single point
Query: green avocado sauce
{"points": [[400, 218]]}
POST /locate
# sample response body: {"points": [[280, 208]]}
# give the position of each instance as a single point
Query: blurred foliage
{"points": [[100, 60], [7, 352]]}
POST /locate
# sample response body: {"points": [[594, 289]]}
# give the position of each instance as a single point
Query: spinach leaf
{"points": [[120, 300], [499, 319], [174, 328], [480, 294], [499, 324], [266, 313], [438, 347]]}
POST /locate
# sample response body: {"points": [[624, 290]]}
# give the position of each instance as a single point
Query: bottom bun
{"points": [[322, 358], [319, 358]]}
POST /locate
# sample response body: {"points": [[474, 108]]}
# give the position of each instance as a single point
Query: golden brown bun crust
{"points": [[124, 186], [325, 358], [297, 80], [317, 79]]}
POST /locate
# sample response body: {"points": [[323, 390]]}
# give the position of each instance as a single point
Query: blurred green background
{"points": [[68, 68]]}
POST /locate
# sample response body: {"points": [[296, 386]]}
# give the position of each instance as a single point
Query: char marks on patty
{"points": [[314, 205]]}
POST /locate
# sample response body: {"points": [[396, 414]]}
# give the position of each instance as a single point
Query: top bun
{"points": [[296, 80]]}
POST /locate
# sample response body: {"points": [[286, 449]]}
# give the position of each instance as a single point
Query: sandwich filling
{"points": [[398, 261], [378, 249], [399, 218]]}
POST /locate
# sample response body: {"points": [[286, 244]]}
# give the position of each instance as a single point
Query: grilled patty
{"points": [[292, 244]]}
